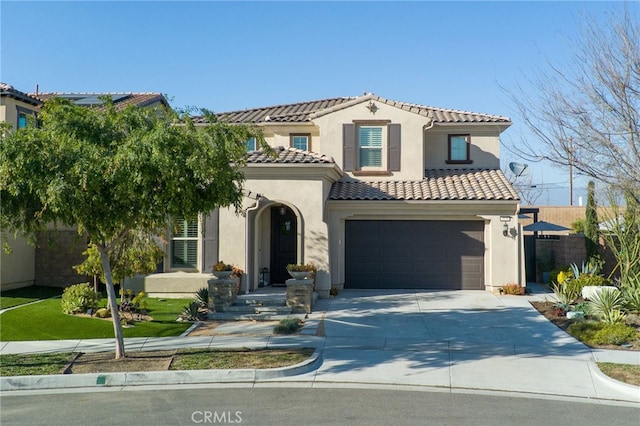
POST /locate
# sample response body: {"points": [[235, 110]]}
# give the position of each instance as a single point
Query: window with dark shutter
{"points": [[349, 147], [394, 147]]}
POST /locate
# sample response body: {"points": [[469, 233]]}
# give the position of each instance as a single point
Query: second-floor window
{"points": [[250, 145], [370, 146], [300, 142], [459, 149]]}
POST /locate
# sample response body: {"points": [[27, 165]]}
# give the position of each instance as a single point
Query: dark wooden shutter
{"points": [[349, 147], [394, 147]]}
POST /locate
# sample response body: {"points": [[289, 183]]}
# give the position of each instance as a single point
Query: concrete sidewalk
{"points": [[463, 341]]}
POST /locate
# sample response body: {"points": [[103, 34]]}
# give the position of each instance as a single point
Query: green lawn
{"points": [[45, 321], [20, 296]]}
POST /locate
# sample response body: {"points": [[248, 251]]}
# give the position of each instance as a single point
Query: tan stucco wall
{"points": [[306, 198], [485, 147], [17, 269], [412, 163], [9, 111]]}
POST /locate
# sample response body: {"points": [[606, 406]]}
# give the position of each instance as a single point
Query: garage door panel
{"points": [[414, 254]]}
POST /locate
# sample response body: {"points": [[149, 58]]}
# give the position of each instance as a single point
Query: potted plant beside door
{"points": [[221, 270], [301, 271]]}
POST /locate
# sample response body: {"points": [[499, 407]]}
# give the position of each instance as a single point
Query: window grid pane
{"points": [[370, 142], [250, 145], [184, 244], [22, 121], [301, 142], [459, 148]]}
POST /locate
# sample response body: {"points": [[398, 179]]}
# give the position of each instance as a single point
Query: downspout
{"points": [[248, 236]]}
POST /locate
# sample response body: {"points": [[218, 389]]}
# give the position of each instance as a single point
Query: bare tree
{"points": [[529, 192], [589, 117]]}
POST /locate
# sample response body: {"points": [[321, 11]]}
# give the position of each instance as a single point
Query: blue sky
{"points": [[235, 55]]}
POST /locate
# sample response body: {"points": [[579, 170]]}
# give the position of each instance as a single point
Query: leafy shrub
{"points": [[585, 330], [578, 226], [586, 280], [615, 334], [514, 289], [78, 298], [333, 291], [301, 267], [103, 313], [605, 303], [287, 326], [221, 266]]}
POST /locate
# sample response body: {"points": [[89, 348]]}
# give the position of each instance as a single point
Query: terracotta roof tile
{"points": [[10, 91], [287, 155], [302, 112], [444, 184], [120, 100]]}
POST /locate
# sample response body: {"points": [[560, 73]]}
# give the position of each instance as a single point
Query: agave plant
{"points": [[192, 312], [605, 303], [202, 297], [631, 294]]}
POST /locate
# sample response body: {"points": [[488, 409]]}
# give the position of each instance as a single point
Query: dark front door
{"points": [[283, 243]]}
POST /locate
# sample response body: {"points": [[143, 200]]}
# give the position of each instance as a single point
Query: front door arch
{"points": [[284, 242]]}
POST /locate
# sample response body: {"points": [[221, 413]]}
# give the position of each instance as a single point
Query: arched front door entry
{"points": [[284, 237]]}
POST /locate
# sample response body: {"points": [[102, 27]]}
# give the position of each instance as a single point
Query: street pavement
{"points": [[452, 341]]}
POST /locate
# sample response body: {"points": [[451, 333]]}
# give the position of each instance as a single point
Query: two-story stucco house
{"points": [[376, 193]]}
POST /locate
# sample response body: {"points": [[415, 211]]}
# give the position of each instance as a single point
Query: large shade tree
{"points": [[115, 173], [587, 115]]}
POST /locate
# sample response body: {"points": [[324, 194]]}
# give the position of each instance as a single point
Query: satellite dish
{"points": [[519, 169]]}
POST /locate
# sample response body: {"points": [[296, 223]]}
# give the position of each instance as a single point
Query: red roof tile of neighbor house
{"points": [[289, 155], [444, 184], [302, 112], [120, 100], [9, 90]]}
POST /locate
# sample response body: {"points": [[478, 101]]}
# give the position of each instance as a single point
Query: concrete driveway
{"points": [[456, 340]]}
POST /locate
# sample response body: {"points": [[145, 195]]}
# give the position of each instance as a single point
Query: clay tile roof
{"points": [[10, 91], [120, 100], [444, 184], [302, 112], [289, 113], [287, 155]]}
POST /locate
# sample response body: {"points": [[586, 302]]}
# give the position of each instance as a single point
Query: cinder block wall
{"points": [[56, 253]]}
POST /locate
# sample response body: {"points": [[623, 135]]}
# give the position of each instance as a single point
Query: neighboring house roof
{"points": [[303, 112], [442, 184], [10, 91], [120, 100], [288, 155]]}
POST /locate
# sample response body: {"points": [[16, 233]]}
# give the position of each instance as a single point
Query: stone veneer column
{"points": [[222, 293], [300, 295]]}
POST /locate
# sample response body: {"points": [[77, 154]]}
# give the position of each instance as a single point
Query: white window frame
{"points": [[198, 244], [250, 145], [382, 148], [307, 143]]}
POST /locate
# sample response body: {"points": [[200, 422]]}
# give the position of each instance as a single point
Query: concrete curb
{"points": [[182, 377], [613, 384]]}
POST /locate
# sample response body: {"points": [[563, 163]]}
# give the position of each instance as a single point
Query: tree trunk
{"points": [[113, 305]]}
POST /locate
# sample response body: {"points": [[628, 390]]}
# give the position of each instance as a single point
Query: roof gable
{"points": [[305, 112], [9, 91]]}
